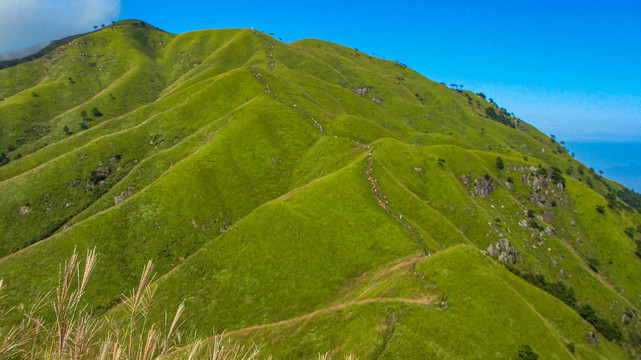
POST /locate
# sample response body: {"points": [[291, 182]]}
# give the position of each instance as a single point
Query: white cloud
{"points": [[24, 23]]}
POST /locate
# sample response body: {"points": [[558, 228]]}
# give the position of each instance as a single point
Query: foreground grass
{"points": [[76, 334]]}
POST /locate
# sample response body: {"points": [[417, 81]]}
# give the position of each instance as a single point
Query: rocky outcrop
{"points": [[523, 168], [465, 179], [361, 91], [98, 176], [548, 216], [535, 182], [483, 186], [591, 338], [114, 160], [123, 195], [503, 251], [546, 192]]}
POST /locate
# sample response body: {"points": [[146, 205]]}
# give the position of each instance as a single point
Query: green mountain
{"points": [[309, 198]]}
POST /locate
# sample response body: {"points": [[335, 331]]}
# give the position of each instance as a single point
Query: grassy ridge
{"points": [[270, 181], [513, 313]]}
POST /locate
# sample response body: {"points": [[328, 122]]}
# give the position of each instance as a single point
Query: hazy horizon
{"points": [[618, 160]]}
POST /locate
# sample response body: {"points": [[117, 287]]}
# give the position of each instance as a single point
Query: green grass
{"points": [[285, 234], [510, 313], [240, 165]]}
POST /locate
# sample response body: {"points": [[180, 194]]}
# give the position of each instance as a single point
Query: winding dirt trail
{"points": [[382, 201], [245, 331], [407, 262], [263, 82], [326, 311]]}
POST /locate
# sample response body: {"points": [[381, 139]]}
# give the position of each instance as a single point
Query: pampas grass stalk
{"points": [[73, 333]]}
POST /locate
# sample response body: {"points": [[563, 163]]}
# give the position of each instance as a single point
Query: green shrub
{"points": [[558, 289], [564, 293], [501, 118], [630, 197], [525, 352], [513, 270], [535, 225], [609, 330], [613, 202], [3, 159], [557, 176], [587, 312], [97, 176], [629, 231], [570, 347], [593, 264], [499, 163]]}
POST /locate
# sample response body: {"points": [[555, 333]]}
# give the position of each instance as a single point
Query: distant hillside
{"points": [[21, 53], [613, 158], [310, 198], [32, 53]]}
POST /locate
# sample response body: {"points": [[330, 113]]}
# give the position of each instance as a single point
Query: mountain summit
{"points": [[310, 198]]}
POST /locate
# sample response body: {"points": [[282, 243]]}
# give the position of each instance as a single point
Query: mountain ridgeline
{"points": [[310, 198]]}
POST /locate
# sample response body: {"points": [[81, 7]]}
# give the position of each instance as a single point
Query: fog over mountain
{"points": [[27, 23]]}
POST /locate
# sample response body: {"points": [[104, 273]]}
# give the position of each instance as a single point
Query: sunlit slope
{"points": [[476, 310], [288, 190], [290, 256], [101, 156], [184, 214]]}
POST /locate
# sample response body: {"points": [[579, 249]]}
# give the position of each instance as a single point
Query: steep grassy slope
{"points": [[396, 324], [293, 194]]}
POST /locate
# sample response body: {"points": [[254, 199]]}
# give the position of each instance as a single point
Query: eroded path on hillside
{"points": [[261, 80], [247, 330], [330, 309], [404, 264], [382, 200]]}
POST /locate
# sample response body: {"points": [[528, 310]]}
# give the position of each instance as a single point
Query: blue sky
{"points": [[570, 68]]}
